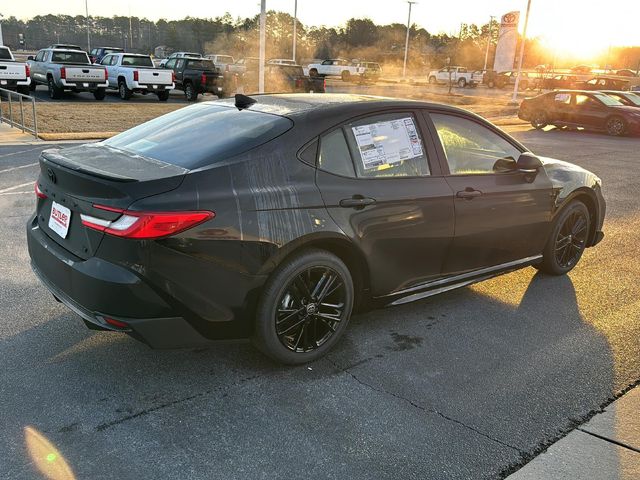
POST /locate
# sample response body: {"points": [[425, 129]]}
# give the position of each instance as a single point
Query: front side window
{"points": [[586, 101], [171, 63], [40, 56], [387, 145], [180, 64], [472, 148], [564, 98]]}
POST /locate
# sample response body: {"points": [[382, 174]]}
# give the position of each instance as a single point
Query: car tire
{"points": [[568, 239], [55, 93], [33, 85], [123, 90], [462, 82], [616, 126], [190, 92], [288, 327], [432, 80], [346, 76], [99, 94], [539, 120], [163, 96], [491, 84]]}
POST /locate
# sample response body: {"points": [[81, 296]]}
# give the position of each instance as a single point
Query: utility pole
{"points": [[86, 6], [514, 100], [1, 41], [486, 55], [263, 39], [406, 43], [295, 28]]}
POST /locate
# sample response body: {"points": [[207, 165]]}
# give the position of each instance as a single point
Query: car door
{"points": [[112, 75], [560, 108], [502, 215], [381, 184], [37, 67], [589, 112]]}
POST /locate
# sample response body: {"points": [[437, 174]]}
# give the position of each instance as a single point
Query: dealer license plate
{"points": [[60, 219]]}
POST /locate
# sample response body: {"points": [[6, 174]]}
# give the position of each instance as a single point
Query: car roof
{"points": [[73, 50]]}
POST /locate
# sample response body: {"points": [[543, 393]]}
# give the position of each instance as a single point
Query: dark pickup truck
{"points": [[195, 76], [285, 79]]}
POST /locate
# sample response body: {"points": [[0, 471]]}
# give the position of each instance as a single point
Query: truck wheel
{"points": [[346, 76], [539, 120], [99, 94], [190, 92], [54, 92], [163, 96], [432, 80], [491, 84], [123, 90], [32, 86], [462, 82]]}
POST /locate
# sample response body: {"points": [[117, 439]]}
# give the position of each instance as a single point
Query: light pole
{"points": [[295, 28], [406, 43], [1, 41], [486, 55], [86, 7], [263, 39], [514, 99]]}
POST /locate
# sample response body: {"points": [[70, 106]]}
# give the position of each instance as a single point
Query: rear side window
{"points": [[201, 135], [334, 154], [79, 58], [135, 61], [4, 54]]}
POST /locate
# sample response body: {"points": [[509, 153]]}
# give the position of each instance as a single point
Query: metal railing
{"points": [[17, 108]]}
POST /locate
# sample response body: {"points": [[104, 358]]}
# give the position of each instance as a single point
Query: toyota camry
{"points": [[274, 217]]}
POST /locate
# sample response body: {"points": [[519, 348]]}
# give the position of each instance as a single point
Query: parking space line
{"points": [[21, 151], [16, 186], [15, 193], [17, 168]]}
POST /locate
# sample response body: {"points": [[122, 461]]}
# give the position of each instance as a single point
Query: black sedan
{"points": [[595, 111], [274, 217]]}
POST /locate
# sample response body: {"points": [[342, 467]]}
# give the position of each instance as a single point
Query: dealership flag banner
{"points": [[507, 41]]}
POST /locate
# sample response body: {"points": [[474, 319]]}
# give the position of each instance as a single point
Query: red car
{"points": [[583, 109]]}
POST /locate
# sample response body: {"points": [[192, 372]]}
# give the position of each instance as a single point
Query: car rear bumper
{"points": [[98, 291], [78, 85]]}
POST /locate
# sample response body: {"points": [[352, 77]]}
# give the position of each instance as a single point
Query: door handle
{"points": [[357, 201], [469, 193]]}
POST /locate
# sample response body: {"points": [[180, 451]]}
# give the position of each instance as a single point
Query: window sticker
{"points": [[385, 143]]}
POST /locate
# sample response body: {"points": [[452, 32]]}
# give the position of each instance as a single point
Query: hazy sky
{"points": [[578, 22]]}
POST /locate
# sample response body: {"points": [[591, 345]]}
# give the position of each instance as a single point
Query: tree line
{"points": [[358, 38]]}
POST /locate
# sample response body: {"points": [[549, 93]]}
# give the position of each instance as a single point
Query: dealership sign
{"points": [[507, 42]]}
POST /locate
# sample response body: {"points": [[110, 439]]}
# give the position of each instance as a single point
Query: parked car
{"points": [[195, 76], [580, 108], [222, 62], [13, 75], [455, 75], [179, 55], [245, 64], [371, 71], [285, 79], [337, 67], [603, 83], [561, 81], [281, 61], [131, 73], [97, 54], [274, 217], [630, 99], [527, 80], [67, 70]]}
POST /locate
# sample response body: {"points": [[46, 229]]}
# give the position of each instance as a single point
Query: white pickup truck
{"points": [[13, 75], [336, 67], [456, 75], [131, 73]]}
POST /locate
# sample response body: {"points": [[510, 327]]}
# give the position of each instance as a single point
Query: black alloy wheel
{"points": [[616, 126], [304, 308], [190, 92], [568, 239], [123, 91]]}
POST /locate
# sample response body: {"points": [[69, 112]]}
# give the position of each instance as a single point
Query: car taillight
{"points": [[299, 82], [63, 73], [135, 75], [203, 79], [173, 76], [106, 74], [27, 70], [324, 83], [145, 225], [39, 193]]}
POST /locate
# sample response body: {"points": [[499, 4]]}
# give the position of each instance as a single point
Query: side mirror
{"points": [[528, 163], [30, 57]]}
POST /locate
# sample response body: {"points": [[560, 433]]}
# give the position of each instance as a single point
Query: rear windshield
{"points": [[290, 70], [201, 135], [79, 58], [135, 61], [4, 54], [200, 65]]}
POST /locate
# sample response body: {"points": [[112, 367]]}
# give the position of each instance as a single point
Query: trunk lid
{"points": [[150, 76], [78, 178]]}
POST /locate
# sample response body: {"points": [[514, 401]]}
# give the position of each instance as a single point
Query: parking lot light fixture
{"points": [[86, 7], [406, 44]]}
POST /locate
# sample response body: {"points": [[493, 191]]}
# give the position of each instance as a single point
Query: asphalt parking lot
{"points": [[465, 385]]}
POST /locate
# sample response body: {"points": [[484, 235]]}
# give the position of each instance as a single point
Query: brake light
{"points": [[106, 74], [203, 79], [27, 70], [135, 75], [146, 225], [173, 76], [115, 323], [63, 73], [39, 193], [324, 83]]}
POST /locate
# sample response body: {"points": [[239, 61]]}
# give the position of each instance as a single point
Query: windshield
{"points": [[79, 58], [608, 100], [201, 135], [135, 61], [4, 54]]}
